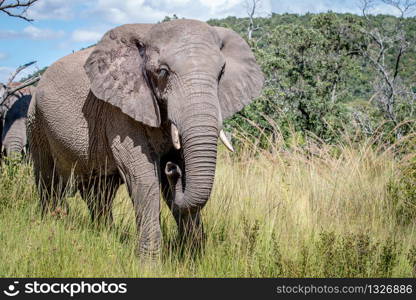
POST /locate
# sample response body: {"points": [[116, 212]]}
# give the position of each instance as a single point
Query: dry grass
{"points": [[314, 210]]}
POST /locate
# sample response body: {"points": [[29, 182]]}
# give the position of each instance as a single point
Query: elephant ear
{"points": [[242, 79], [115, 70]]}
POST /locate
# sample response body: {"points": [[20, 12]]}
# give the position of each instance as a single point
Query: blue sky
{"points": [[62, 26]]}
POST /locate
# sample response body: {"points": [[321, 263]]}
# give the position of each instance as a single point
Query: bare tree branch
{"points": [[252, 7], [27, 83], [16, 8], [403, 6], [8, 89], [394, 42], [18, 70]]}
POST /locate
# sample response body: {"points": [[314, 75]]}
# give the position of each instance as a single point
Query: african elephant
{"points": [[145, 107], [13, 122]]}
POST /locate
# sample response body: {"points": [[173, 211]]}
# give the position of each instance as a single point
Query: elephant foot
{"points": [[149, 263], [149, 253]]}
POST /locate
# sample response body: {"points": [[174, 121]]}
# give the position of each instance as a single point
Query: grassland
{"points": [[310, 211]]}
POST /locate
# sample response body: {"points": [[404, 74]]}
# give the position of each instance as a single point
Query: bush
{"points": [[15, 178], [402, 191]]}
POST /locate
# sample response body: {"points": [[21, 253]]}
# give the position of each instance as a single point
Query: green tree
{"points": [[307, 70]]}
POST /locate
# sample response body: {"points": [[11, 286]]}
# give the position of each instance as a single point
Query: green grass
{"points": [[309, 212]]}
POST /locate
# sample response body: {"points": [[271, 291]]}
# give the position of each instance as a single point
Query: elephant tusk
{"points": [[175, 136], [225, 141]]}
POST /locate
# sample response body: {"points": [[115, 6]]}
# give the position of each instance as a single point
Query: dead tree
{"points": [[252, 7], [16, 8], [10, 88], [385, 41]]}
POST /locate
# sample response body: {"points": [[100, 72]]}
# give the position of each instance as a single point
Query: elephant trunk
{"points": [[199, 134]]}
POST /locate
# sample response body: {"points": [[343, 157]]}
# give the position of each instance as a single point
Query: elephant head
{"points": [[183, 73]]}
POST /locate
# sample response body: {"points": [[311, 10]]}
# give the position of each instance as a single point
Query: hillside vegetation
{"points": [[328, 74]]}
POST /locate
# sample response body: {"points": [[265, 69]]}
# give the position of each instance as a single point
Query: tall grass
{"points": [[310, 210]]}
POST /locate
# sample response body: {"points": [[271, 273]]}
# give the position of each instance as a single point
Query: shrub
{"points": [[402, 191]]}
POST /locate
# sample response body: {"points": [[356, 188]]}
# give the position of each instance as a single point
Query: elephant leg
{"points": [[137, 166], [14, 139], [52, 188], [146, 202], [190, 226], [99, 193]]}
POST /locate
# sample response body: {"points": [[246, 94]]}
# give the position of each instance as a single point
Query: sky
{"points": [[63, 26]]}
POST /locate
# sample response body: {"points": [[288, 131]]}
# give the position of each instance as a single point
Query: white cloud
{"points": [[86, 36], [119, 12], [9, 34], [52, 9], [218, 5], [316, 6], [179, 2], [146, 11], [36, 33], [3, 55], [340, 6], [33, 33]]}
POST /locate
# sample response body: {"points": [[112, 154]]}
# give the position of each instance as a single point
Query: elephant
{"points": [[144, 107], [13, 113]]}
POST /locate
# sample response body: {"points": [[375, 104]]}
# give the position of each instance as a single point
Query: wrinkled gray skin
{"points": [[105, 113], [13, 123]]}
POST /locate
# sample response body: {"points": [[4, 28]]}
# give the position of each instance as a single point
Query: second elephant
{"points": [[13, 114]]}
